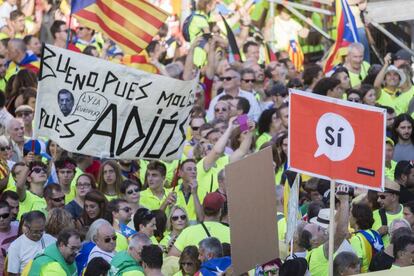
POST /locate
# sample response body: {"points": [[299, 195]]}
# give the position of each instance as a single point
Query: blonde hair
{"points": [[58, 219], [173, 209]]}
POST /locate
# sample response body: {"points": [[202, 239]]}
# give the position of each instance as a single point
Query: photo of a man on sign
{"points": [[66, 101]]}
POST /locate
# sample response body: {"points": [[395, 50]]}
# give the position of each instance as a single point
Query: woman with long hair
{"points": [[95, 206], [189, 262], [84, 184], [279, 149], [57, 220], [110, 180], [177, 221]]}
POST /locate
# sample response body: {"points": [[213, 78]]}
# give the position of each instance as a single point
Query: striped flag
{"points": [[295, 54], [234, 53], [140, 62], [346, 34], [130, 23], [269, 54]]}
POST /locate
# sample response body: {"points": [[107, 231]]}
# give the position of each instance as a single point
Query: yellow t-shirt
{"points": [[71, 196], [403, 100], [192, 235], [356, 79], [358, 245], [189, 207], [389, 172], [386, 99], [263, 138], [133, 273], [317, 262], [207, 180], [150, 201], [121, 242], [110, 197], [30, 203], [377, 223]]}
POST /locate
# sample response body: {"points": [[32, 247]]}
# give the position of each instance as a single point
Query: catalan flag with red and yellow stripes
{"points": [[130, 23], [296, 55]]}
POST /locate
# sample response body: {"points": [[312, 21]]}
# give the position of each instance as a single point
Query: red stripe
{"points": [[121, 20], [138, 59], [339, 39], [119, 38], [156, 22]]}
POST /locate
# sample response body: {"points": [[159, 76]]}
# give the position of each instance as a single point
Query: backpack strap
{"points": [[205, 229], [383, 216]]}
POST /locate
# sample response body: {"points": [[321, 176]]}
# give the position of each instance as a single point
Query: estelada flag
{"points": [[131, 24], [336, 140]]}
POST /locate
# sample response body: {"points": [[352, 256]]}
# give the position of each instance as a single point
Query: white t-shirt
{"points": [[97, 252], [284, 31], [5, 10], [22, 250]]}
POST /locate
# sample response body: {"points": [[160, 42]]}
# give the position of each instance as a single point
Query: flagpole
{"points": [[331, 226], [69, 28]]}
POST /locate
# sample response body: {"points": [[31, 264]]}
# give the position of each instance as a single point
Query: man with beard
{"points": [[404, 176], [58, 258], [403, 137], [390, 210]]}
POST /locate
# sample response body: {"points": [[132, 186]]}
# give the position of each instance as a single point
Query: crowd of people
{"points": [[66, 213]]}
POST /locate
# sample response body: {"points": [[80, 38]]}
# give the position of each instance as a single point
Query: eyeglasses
{"points": [[39, 170], [220, 109], [108, 239], [83, 185], [126, 209], [4, 216], [130, 192], [226, 78], [59, 199], [24, 114], [186, 264], [5, 148], [175, 218], [249, 80]]}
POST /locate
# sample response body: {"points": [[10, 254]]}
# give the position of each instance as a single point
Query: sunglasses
{"points": [[130, 192], [382, 196], [5, 148], [126, 209], [186, 264], [82, 28], [4, 216], [227, 78], [39, 170], [59, 199], [251, 80], [195, 128], [270, 272], [355, 100], [222, 109], [175, 218], [108, 239]]}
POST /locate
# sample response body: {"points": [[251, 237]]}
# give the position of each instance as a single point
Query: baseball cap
{"points": [[37, 149], [402, 54], [391, 186], [213, 201]]}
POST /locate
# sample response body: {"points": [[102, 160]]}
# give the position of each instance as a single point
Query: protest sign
{"points": [[250, 186], [99, 108], [337, 140]]}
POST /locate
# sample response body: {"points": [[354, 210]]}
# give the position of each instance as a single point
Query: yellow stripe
{"points": [[132, 18], [120, 29], [95, 26], [151, 9]]}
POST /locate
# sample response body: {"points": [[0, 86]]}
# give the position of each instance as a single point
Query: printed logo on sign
{"points": [[335, 137]]}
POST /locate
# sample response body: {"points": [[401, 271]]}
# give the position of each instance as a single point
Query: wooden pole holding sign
{"points": [[331, 226]]}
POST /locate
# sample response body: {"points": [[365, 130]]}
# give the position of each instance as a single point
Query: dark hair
{"points": [[34, 216], [324, 85], [338, 70], [305, 240], [61, 163], [126, 184], [113, 205], [191, 252], [65, 91], [142, 216], [189, 160], [314, 207], [88, 50], [65, 235], [97, 266], [161, 223], [4, 204], [55, 28], [295, 83], [2, 99], [16, 14], [9, 194], [245, 71], [344, 260], [100, 199], [363, 216], [157, 166], [401, 243], [402, 167], [353, 91], [50, 188], [151, 46], [243, 105], [372, 197], [397, 121], [265, 120], [248, 44], [293, 267], [27, 93], [364, 89], [410, 206], [151, 255], [27, 39], [91, 179], [311, 72]]}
